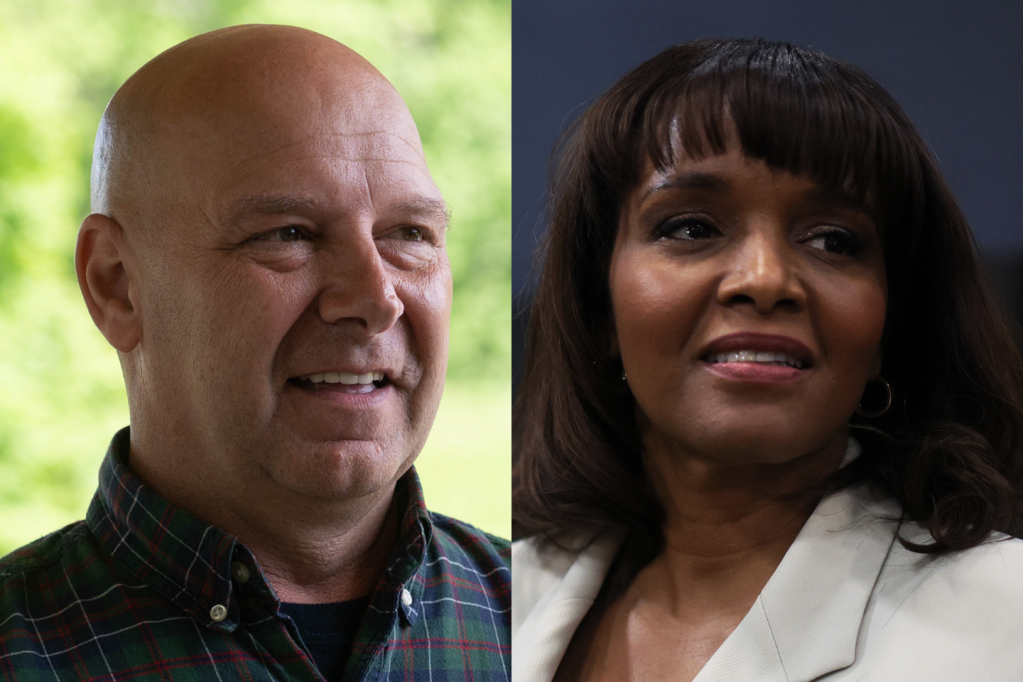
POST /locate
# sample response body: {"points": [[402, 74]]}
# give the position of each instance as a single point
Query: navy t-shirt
{"points": [[328, 631]]}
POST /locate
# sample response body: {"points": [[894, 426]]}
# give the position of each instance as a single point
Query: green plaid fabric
{"points": [[143, 590]]}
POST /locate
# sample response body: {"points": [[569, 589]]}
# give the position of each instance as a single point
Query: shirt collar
{"points": [[405, 567], [189, 561]]}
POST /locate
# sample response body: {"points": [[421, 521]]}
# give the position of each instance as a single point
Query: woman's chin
{"points": [[751, 441]]}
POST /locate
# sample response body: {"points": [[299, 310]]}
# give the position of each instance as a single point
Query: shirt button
{"points": [[406, 597], [218, 613], [240, 572]]}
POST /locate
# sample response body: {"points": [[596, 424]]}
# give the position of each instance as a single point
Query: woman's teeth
{"points": [[758, 357], [344, 378]]}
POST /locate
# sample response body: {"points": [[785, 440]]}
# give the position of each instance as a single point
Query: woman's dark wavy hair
{"points": [[948, 450]]}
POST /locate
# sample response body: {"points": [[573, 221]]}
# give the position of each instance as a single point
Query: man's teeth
{"points": [[344, 378], [755, 356]]}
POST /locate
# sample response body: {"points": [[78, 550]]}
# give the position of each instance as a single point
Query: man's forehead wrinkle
{"points": [[255, 201], [413, 144], [283, 134], [348, 154]]}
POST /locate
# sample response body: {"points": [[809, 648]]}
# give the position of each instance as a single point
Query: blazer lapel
{"points": [[806, 621], [749, 653], [543, 637]]}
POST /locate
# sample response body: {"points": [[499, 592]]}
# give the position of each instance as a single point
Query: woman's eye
{"points": [[836, 241], [687, 228]]}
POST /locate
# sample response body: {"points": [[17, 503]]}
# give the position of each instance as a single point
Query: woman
{"points": [[770, 420]]}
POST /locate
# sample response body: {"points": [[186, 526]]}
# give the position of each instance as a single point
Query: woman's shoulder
{"points": [[545, 572], [991, 571], [537, 557], [961, 610]]}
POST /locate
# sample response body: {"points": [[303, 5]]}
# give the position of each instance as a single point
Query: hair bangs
{"points": [[797, 111]]}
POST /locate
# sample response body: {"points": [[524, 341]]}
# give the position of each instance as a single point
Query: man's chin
{"points": [[339, 469]]}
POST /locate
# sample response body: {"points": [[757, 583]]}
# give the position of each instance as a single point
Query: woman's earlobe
{"points": [[875, 371], [101, 263]]}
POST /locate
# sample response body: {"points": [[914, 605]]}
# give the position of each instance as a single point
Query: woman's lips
{"points": [[755, 357], [755, 372]]}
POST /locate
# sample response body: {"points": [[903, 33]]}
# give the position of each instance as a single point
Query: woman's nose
{"points": [[762, 273]]}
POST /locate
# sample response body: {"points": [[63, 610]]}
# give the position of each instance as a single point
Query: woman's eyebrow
{"points": [[694, 180], [836, 198]]}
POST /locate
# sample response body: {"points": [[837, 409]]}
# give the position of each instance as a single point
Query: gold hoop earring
{"points": [[870, 414]]}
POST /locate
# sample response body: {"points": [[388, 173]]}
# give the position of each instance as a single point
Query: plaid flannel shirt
{"points": [[144, 590]]}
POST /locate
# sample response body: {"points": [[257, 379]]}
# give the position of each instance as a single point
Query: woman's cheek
{"points": [[657, 305], [853, 320]]}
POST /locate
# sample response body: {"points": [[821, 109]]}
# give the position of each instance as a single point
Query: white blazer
{"points": [[847, 602]]}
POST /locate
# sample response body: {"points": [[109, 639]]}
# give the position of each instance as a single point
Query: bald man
{"points": [[266, 253]]}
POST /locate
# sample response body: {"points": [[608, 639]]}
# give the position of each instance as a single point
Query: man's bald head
{"points": [[172, 127]]}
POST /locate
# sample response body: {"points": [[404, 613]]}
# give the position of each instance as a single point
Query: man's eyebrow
{"points": [[424, 207], [272, 204], [281, 204]]}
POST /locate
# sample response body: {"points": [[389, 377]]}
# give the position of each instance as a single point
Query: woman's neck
{"points": [[727, 526], [726, 530]]}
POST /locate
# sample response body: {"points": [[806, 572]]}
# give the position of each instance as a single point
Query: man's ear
{"points": [[101, 261]]}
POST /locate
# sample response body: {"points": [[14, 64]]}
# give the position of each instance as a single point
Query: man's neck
{"points": [[310, 550], [333, 567]]}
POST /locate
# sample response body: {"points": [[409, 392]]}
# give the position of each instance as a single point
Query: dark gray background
{"points": [[955, 67]]}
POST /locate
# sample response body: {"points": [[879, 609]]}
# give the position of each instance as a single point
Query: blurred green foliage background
{"points": [[61, 392]]}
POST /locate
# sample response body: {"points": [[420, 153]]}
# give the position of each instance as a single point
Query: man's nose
{"points": [[761, 272], [358, 286]]}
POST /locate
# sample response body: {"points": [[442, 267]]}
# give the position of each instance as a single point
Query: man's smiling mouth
{"points": [[342, 382]]}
